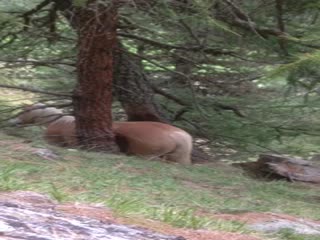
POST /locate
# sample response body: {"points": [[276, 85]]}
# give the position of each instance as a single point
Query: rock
{"points": [[45, 153], [301, 227], [32, 216], [23, 147], [27, 197], [269, 222]]}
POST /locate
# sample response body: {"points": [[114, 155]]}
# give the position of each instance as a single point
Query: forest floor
{"points": [[203, 201]]}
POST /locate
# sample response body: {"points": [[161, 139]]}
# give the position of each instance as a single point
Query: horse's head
{"points": [[35, 113]]}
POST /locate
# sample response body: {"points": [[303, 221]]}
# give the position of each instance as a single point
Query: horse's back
{"points": [[145, 128]]}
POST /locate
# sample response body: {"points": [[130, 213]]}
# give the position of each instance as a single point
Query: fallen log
{"points": [[278, 166]]}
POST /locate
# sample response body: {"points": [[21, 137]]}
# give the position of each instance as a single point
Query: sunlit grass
{"points": [[181, 196]]}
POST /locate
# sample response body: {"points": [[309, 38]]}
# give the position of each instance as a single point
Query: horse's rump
{"points": [[62, 132], [155, 139]]}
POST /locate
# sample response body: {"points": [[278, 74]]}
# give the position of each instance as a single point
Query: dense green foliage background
{"points": [[248, 70]]}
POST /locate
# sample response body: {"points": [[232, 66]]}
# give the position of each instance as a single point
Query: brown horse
{"points": [[149, 139]]}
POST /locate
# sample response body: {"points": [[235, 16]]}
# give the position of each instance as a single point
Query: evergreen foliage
{"points": [[231, 62]]}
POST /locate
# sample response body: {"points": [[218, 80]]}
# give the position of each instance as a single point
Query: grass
{"points": [[178, 195]]}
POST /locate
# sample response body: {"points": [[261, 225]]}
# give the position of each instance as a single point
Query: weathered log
{"points": [[32, 216], [277, 166]]}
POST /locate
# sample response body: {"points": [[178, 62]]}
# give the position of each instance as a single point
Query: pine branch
{"points": [[169, 96], [37, 8], [217, 105], [212, 51], [26, 15], [241, 20], [38, 63], [27, 89]]}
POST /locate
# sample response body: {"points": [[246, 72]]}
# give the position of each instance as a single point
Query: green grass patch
{"points": [[179, 195]]}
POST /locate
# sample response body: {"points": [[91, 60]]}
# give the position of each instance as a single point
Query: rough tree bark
{"points": [[134, 91], [96, 26]]}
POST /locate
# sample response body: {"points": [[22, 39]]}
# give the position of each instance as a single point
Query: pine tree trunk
{"points": [[133, 90], [96, 27]]}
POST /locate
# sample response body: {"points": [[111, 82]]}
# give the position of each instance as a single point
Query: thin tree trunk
{"points": [[183, 67], [96, 27], [134, 91], [281, 26]]}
